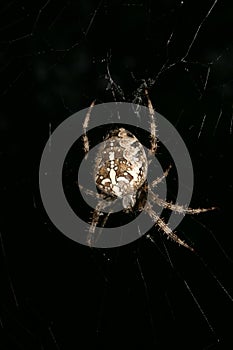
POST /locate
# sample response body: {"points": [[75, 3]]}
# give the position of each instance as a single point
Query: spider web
{"points": [[58, 58]]}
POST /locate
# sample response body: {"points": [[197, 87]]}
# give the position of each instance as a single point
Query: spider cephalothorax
{"points": [[121, 166]]}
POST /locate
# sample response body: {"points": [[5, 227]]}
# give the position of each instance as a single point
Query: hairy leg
{"points": [[91, 193], [161, 178], [95, 220], [164, 227], [85, 126], [153, 135], [176, 207]]}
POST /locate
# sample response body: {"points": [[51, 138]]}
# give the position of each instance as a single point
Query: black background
{"points": [[56, 58]]}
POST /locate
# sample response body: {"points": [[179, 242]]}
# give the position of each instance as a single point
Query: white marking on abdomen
{"points": [[134, 173], [112, 175], [122, 178], [111, 155], [105, 180]]}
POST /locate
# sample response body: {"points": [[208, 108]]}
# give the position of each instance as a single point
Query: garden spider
{"points": [[120, 172]]}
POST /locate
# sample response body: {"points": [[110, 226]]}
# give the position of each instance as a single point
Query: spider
{"points": [[120, 172]]}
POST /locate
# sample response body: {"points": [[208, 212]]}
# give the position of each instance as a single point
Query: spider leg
{"points": [[178, 208], [85, 126], [153, 135], [104, 223], [91, 193], [95, 219], [161, 178], [164, 227]]}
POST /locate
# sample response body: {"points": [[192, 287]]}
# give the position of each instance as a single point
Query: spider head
{"points": [[125, 192], [128, 201]]}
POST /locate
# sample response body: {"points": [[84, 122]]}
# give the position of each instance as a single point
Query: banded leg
{"points": [[95, 219], [161, 178], [178, 208], [153, 136], [91, 193], [165, 228], [85, 126]]}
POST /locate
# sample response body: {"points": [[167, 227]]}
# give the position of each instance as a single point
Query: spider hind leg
{"points": [[165, 228], [178, 208]]}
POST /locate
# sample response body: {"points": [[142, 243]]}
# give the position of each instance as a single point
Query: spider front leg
{"points": [[153, 135], [85, 126], [164, 227]]}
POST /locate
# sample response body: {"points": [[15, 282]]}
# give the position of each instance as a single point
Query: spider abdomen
{"points": [[121, 166]]}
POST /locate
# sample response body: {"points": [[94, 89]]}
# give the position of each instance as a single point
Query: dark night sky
{"points": [[55, 59]]}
